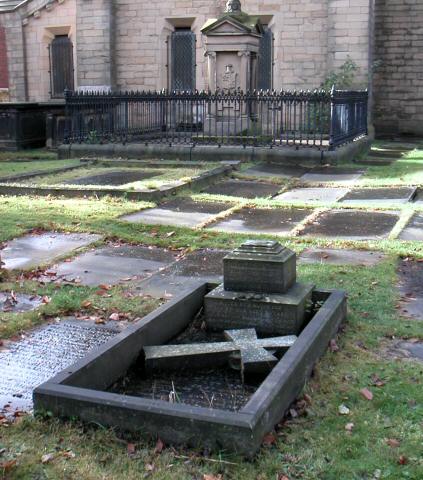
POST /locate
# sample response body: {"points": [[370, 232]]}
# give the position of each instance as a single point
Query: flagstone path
{"points": [[31, 251]]}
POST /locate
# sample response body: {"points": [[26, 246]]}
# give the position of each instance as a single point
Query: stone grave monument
{"points": [[232, 46], [259, 295], [259, 291]]}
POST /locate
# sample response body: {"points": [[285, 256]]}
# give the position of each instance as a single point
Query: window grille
{"points": [[265, 62], [61, 66], [183, 60]]}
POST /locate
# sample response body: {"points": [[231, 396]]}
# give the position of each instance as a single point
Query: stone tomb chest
{"points": [[217, 366]]}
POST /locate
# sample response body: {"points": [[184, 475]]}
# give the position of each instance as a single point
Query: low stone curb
{"points": [[203, 180]]}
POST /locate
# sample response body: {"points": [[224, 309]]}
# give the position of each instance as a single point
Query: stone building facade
{"points": [[127, 44]]}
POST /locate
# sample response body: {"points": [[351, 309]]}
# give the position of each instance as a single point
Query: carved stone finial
{"points": [[233, 6]]}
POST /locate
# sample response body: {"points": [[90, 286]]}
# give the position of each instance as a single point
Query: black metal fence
{"points": [[271, 119]]}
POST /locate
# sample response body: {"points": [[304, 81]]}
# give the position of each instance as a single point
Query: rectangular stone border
{"points": [[288, 155], [79, 390], [201, 181]]}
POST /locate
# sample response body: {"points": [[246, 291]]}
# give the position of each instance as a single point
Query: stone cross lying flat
{"points": [[244, 352]]}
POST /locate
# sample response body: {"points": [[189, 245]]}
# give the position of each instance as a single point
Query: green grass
{"points": [[314, 446], [35, 154], [15, 168]]}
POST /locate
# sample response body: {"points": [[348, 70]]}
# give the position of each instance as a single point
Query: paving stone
{"points": [[244, 188], [114, 264], [34, 250], [332, 174], [410, 286], [414, 229], [307, 195], [352, 224], [410, 350], [18, 302], [113, 178], [205, 265], [379, 195], [46, 351], [418, 199], [276, 220], [182, 212], [340, 257], [267, 170]]}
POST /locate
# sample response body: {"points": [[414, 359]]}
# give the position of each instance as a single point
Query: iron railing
{"points": [[272, 119]]}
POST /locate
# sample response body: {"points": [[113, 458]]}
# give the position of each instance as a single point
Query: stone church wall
{"points": [[398, 67]]}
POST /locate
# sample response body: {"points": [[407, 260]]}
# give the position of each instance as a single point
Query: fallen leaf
{"points": [[393, 442], [402, 460], [269, 439], [99, 321], [159, 446], [130, 448], [7, 466], [333, 346], [68, 454], [104, 287], [366, 393], [86, 304], [170, 234], [149, 467], [283, 477], [212, 477], [114, 317], [48, 457], [349, 427], [46, 299]]}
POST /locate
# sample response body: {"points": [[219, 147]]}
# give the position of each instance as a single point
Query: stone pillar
{"points": [[211, 71], [95, 43]]}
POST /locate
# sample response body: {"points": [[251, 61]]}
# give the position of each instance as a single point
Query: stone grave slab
{"points": [[244, 188], [27, 363], [332, 174], [260, 220], [313, 195], [182, 212], [18, 302], [31, 251], [205, 265], [115, 264], [333, 256], [269, 170], [352, 225], [408, 350], [414, 229], [115, 178], [243, 350], [410, 286], [418, 199], [379, 195]]}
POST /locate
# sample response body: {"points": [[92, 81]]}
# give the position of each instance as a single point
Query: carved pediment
{"points": [[233, 24]]}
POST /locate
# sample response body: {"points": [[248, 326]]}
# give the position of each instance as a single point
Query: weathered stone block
{"points": [[260, 267], [273, 314]]}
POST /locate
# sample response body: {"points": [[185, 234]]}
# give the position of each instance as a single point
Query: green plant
{"points": [[343, 78]]}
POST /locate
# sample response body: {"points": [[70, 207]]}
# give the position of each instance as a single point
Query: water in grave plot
{"points": [[244, 189], [213, 387], [11, 302], [276, 220], [352, 224], [27, 363]]}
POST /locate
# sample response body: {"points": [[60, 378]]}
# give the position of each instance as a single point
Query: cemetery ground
{"points": [[359, 416]]}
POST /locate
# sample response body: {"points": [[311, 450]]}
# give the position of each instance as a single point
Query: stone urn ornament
{"points": [[233, 6]]}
